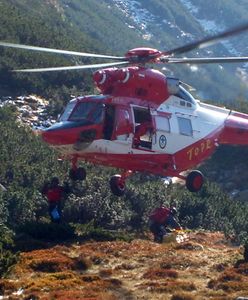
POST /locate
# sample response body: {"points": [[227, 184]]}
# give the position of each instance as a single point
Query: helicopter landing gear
{"points": [[76, 173], [117, 183], [194, 181]]}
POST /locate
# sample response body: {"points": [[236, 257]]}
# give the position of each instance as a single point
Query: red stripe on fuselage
{"points": [[157, 164], [196, 153]]}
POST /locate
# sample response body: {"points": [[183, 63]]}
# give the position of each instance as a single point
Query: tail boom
{"points": [[235, 131]]}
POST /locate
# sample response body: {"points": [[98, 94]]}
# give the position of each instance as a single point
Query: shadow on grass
{"points": [[40, 235]]}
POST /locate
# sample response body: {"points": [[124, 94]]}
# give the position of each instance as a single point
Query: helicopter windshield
{"points": [[185, 95], [88, 113], [69, 108]]}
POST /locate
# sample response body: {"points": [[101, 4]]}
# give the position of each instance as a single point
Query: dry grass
{"points": [[51, 261], [6, 285], [160, 273], [52, 282], [79, 295], [90, 277], [168, 286], [189, 246], [183, 296], [220, 267], [126, 266], [242, 268], [182, 262], [233, 286], [232, 279], [140, 269], [106, 272]]}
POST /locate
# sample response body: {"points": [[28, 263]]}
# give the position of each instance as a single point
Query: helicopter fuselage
{"points": [[154, 128], [142, 120]]}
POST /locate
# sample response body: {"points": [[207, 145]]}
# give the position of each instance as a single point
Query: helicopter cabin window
{"points": [[185, 126], [87, 113], [143, 128], [162, 123], [187, 99]]}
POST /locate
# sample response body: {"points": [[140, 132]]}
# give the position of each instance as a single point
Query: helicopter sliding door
{"points": [[163, 132]]}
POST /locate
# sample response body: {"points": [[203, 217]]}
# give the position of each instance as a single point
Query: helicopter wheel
{"points": [[117, 185], [77, 174], [194, 181]]}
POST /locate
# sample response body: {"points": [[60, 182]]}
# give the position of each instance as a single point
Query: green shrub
{"points": [[7, 256], [48, 231], [89, 231]]}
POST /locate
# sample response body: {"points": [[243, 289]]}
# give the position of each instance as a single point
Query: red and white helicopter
{"points": [[142, 120]]}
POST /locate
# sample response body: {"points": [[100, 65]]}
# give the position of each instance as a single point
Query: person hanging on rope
{"points": [[55, 193]]}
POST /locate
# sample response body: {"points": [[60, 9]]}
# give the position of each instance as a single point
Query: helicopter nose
{"points": [[52, 137], [61, 133]]}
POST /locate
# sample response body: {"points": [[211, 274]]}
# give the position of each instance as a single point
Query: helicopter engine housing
{"points": [[136, 82]]}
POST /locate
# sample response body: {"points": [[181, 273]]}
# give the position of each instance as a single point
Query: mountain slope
{"points": [[114, 27], [174, 23]]}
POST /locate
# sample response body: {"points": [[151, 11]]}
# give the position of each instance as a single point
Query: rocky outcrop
{"points": [[32, 110]]}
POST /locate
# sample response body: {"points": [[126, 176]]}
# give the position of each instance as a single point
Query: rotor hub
{"points": [[143, 55]]}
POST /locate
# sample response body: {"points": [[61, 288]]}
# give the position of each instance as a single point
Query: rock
{"points": [[32, 109], [25, 114]]}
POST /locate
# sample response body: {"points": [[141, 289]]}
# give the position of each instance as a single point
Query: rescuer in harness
{"points": [[54, 192], [159, 219]]}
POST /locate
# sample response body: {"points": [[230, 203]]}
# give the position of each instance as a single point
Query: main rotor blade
{"points": [[208, 41], [94, 66], [66, 52], [203, 60]]}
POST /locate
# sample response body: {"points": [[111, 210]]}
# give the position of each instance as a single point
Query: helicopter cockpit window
{"points": [[185, 95], [88, 112], [69, 108]]}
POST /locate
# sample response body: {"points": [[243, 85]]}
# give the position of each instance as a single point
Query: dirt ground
{"points": [[200, 265]]}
